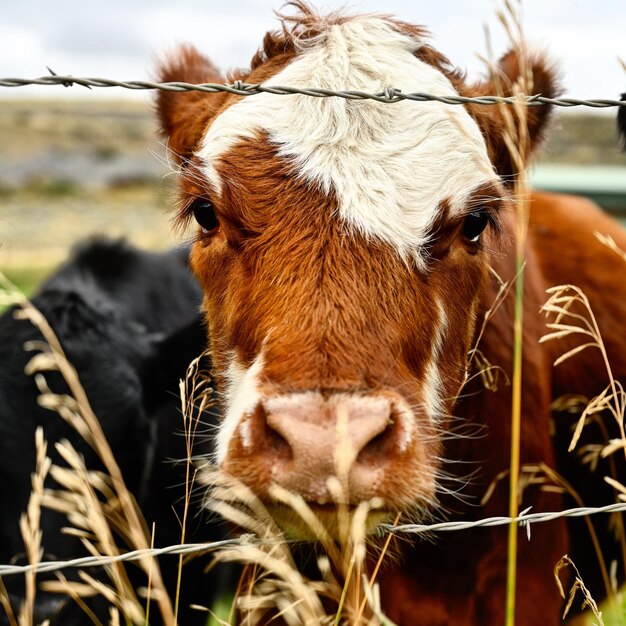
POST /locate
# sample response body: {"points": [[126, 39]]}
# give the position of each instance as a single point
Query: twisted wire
{"points": [[525, 519], [389, 95]]}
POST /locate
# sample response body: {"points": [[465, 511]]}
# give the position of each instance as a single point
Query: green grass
{"points": [[27, 279], [221, 610], [614, 615]]}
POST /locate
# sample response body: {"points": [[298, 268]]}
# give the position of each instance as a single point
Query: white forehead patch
{"points": [[389, 165]]}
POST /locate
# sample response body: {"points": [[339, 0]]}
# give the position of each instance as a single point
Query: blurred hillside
{"points": [[583, 139], [70, 169]]}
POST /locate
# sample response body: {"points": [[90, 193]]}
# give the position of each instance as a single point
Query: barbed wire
{"points": [[134, 555], [524, 519], [389, 95]]}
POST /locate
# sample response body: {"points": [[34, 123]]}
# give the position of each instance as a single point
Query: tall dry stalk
{"points": [[30, 528], [516, 138], [579, 585], [196, 396]]}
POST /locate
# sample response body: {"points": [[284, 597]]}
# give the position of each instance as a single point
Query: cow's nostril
{"points": [[375, 450], [267, 438]]}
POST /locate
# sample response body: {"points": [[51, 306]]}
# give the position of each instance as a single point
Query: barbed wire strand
{"points": [[525, 519], [389, 95]]}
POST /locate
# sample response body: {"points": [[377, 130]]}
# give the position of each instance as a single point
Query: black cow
{"points": [[127, 320], [621, 122]]}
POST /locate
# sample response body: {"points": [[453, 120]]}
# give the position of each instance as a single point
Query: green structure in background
{"points": [[605, 185]]}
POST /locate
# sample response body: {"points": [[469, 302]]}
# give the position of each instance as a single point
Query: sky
{"points": [[122, 39]]}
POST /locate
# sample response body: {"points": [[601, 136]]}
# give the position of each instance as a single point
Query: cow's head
{"points": [[342, 247]]}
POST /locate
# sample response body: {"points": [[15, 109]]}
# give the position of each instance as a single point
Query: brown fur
{"points": [[184, 115], [335, 313]]}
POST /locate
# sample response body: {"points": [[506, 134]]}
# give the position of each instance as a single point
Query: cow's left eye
{"points": [[474, 224]]}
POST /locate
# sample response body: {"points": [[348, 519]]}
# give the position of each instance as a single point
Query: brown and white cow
{"points": [[345, 249]]}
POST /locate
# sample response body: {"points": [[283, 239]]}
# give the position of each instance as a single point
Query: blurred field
{"points": [[70, 169]]}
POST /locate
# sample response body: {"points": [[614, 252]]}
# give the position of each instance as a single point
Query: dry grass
{"points": [[563, 308], [578, 585], [562, 299], [31, 530], [570, 314], [272, 584], [196, 396]]}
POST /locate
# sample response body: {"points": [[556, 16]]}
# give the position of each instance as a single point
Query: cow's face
{"points": [[343, 246]]}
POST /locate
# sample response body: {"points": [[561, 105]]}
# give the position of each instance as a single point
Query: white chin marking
{"points": [[388, 165], [241, 398], [432, 385]]}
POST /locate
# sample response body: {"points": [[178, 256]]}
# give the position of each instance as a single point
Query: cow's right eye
{"points": [[474, 224], [204, 214]]}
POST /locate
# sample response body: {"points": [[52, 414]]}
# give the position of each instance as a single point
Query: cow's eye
{"points": [[474, 224], [204, 214]]}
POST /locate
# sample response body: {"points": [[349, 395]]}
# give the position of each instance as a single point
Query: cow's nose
{"points": [[342, 435]]}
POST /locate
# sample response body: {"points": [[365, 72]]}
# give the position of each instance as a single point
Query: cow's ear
{"points": [[541, 79], [183, 116]]}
